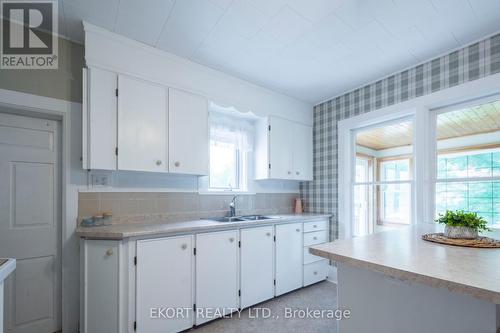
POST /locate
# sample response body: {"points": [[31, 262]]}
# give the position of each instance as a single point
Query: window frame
{"points": [[238, 172]]}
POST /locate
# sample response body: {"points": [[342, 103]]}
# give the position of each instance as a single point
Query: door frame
{"points": [[67, 113], [421, 108]]}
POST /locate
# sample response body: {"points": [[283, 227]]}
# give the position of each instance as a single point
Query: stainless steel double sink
{"points": [[244, 218]]}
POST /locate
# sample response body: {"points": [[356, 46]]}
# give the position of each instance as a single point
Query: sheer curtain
{"points": [[232, 129]]}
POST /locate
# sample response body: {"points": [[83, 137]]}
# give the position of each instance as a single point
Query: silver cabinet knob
{"points": [[184, 246], [315, 238], [177, 164], [231, 239], [268, 234], [297, 173], [315, 273], [298, 230], [109, 252], [315, 226], [289, 172], [158, 162]]}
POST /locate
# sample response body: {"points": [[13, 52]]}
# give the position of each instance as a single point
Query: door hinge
{"points": [[116, 92], [269, 127], [239, 292], [116, 151], [194, 307], [135, 326], [269, 165], [239, 243], [274, 282], [274, 238], [135, 261], [194, 251]]}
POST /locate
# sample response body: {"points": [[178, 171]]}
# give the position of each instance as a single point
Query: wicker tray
{"points": [[482, 242]]}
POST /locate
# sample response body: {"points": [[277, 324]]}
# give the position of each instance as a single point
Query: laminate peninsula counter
{"points": [[394, 281], [7, 266]]}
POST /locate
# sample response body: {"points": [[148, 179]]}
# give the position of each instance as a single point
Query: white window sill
{"points": [[222, 192]]}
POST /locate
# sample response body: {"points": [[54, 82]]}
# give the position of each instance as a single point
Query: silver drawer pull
{"points": [[177, 164], [109, 252], [268, 234], [298, 230], [315, 238], [184, 246], [315, 226], [158, 162], [231, 239], [315, 273]]}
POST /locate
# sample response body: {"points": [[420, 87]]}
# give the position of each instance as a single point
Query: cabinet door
{"points": [[216, 274], [142, 125], [99, 120], [101, 285], [280, 148], [188, 133], [164, 280], [302, 152], [257, 271], [289, 251]]}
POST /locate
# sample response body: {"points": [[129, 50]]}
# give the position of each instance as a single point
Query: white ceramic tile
{"points": [[142, 20]]}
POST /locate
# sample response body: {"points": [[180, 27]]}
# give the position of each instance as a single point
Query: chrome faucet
{"points": [[232, 207]]}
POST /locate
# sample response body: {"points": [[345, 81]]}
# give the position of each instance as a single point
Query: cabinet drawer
{"points": [[315, 226], [309, 258], [317, 237], [315, 272]]}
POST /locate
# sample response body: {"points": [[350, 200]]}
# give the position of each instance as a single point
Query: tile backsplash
{"points": [[131, 207]]}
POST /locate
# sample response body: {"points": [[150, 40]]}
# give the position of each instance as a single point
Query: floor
{"points": [[321, 296]]}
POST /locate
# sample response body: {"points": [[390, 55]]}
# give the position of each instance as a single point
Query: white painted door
{"points": [[30, 222], [257, 265], [188, 133], [99, 120], [280, 148], [216, 274], [101, 286], [142, 125], [302, 152], [164, 280], [289, 251]]}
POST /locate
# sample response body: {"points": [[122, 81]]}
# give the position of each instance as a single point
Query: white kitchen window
{"points": [[231, 142]]}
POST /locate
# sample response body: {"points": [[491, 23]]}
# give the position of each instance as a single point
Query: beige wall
{"points": [[62, 83]]}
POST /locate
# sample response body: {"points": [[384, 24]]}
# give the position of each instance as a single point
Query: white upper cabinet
{"points": [[99, 119], [142, 125], [188, 133], [284, 150]]}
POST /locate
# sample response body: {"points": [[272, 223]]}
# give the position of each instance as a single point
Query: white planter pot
{"points": [[460, 232]]}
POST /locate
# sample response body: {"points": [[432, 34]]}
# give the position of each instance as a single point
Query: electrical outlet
{"points": [[101, 180]]}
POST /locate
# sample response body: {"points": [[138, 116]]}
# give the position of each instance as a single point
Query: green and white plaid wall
{"points": [[467, 64]]}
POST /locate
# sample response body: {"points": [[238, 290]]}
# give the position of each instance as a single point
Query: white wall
{"points": [[110, 51]]}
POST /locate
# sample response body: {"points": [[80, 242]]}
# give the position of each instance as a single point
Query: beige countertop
{"points": [[121, 231], [402, 254]]}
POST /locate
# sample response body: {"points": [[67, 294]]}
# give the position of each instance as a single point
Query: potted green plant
{"points": [[460, 224]]}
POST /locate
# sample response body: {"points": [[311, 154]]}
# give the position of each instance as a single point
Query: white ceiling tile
{"points": [[330, 30], [358, 13], [101, 13], [263, 44], [142, 21], [243, 18], [315, 10], [269, 7], [189, 24], [287, 25], [224, 4]]}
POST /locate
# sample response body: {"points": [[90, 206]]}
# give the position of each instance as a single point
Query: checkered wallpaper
{"points": [[467, 64]]}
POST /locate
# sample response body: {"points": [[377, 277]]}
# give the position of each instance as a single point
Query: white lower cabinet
{"points": [[289, 257], [257, 265], [137, 284], [217, 275], [164, 283]]}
